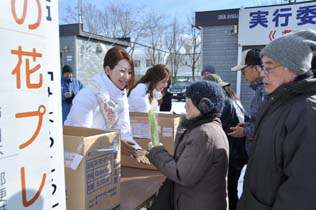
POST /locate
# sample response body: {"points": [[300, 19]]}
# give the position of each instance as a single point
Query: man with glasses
{"points": [[281, 175], [250, 67]]}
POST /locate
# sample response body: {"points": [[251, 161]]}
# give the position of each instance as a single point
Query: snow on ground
{"points": [[178, 107]]}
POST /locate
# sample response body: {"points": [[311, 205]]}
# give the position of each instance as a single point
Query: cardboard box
{"points": [[168, 124], [92, 168]]}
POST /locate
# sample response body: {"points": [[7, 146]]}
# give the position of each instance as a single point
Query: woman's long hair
{"points": [[152, 77], [114, 55], [230, 93]]}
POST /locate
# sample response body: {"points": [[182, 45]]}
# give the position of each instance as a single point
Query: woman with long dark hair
{"points": [[147, 92]]}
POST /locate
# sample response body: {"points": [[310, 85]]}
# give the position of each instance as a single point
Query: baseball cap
{"points": [[249, 57], [216, 78]]}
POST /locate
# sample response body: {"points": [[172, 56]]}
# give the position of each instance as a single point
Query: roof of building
{"points": [[76, 30]]}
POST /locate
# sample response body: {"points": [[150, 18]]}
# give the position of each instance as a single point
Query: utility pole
{"points": [[80, 11]]}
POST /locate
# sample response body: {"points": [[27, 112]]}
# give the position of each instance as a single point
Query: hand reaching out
{"points": [[237, 131], [128, 149], [140, 156]]}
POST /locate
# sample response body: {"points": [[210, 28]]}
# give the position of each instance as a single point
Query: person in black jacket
{"points": [[166, 103], [232, 114], [250, 67], [281, 172]]}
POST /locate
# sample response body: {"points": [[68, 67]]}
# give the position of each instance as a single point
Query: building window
{"points": [[137, 63]]}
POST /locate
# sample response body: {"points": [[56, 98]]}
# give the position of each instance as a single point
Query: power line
{"points": [[164, 51]]}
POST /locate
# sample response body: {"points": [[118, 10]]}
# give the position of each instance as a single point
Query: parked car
{"points": [[178, 89]]}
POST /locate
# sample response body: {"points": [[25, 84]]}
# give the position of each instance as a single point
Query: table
{"points": [[138, 186]]}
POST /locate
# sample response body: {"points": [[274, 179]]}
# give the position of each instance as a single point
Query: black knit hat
{"points": [[207, 96], [67, 69], [208, 68]]}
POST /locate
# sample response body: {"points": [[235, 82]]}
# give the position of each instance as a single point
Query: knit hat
{"points": [[207, 96], [294, 51], [67, 69], [216, 78], [249, 57], [208, 68]]}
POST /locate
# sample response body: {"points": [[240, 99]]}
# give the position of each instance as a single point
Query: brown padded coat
{"points": [[198, 167]]}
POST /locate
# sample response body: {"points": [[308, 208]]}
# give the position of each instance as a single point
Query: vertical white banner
{"points": [[31, 143]]}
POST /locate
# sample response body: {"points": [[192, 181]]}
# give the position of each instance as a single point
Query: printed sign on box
{"points": [[167, 127], [93, 181]]}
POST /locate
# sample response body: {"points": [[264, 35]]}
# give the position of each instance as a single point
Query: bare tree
{"points": [[92, 22], [124, 21], [193, 47], [174, 45], [72, 15], [156, 28], [115, 20], [90, 16], [160, 40]]}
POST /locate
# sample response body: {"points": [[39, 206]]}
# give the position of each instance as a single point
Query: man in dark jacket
{"points": [[69, 88], [281, 173], [166, 104], [250, 66]]}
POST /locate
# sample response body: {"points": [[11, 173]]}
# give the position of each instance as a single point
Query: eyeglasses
{"points": [[269, 70]]}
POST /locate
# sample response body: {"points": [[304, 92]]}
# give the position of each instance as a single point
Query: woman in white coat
{"points": [[148, 91], [103, 103]]}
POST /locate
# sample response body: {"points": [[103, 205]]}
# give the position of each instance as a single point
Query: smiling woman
{"points": [[103, 103], [148, 91]]}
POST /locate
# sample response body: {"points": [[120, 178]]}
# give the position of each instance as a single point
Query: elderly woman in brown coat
{"points": [[198, 168]]}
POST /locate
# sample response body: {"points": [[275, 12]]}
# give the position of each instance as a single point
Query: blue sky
{"points": [[181, 8]]}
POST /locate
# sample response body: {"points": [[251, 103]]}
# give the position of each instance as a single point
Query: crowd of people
{"points": [[217, 137]]}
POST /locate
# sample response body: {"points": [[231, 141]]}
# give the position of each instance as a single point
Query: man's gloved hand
{"points": [[127, 148], [140, 156]]}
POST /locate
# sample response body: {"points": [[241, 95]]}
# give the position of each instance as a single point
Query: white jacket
{"points": [[86, 112], [139, 100]]}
